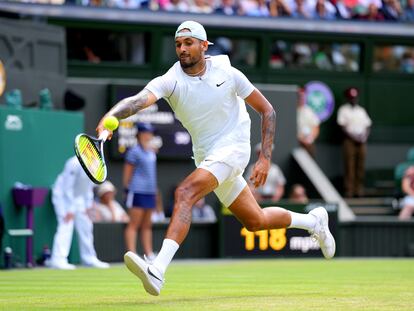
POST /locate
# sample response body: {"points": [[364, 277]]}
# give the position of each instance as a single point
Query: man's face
{"points": [[189, 50]]}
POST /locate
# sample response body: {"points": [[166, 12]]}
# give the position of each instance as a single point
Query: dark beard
{"points": [[186, 65]]}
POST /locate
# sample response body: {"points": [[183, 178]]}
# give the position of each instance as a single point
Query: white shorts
{"points": [[230, 186]]}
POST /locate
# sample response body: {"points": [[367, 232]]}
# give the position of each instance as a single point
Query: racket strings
{"points": [[91, 158]]}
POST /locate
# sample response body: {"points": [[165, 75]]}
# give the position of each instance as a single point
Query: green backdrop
{"points": [[34, 145]]}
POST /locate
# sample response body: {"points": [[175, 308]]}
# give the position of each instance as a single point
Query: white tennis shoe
{"points": [[321, 232], [151, 277]]}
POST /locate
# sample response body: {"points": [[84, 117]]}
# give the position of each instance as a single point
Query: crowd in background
{"points": [[367, 10]]}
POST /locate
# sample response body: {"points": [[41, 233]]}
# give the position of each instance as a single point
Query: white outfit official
{"points": [[307, 120], [73, 193], [354, 118], [217, 120]]}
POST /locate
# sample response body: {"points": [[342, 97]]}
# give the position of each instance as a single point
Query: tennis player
{"points": [[208, 96]]}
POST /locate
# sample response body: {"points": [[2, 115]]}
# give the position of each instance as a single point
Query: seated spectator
{"points": [[407, 185], [408, 13], [108, 209], [322, 12], [298, 194], [373, 14], [361, 6], [200, 6], [343, 11], [127, 4], [176, 6], [253, 8], [222, 45], [274, 187], [407, 62], [392, 10], [279, 8], [202, 212], [300, 10], [226, 7]]}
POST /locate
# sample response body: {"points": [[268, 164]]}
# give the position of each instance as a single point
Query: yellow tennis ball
{"points": [[111, 123]]}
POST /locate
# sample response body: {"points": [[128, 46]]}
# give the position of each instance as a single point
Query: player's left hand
{"points": [[260, 171]]}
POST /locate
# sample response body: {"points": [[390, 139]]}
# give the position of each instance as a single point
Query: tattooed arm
{"points": [[259, 103], [128, 106]]}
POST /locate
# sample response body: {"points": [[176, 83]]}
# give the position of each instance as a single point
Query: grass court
{"points": [[306, 284]]}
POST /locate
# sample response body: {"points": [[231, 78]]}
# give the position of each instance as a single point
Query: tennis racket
{"points": [[89, 151]]}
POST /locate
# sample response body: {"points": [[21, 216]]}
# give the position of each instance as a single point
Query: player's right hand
{"points": [[100, 128]]}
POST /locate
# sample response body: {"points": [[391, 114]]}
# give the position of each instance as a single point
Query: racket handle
{"points": [[104, 135]]}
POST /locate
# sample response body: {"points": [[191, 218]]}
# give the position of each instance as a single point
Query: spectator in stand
{"points": [[307, 124], [356, 125], [127, 4], [408, 13], [226, 7], [200, 6], [274, 187], [343, 11], [321, 11], [407, 61], [407, 185], [222, 45], [392, 10], [373, 14], [176, 6], [300, 11], [361, 7], [108, 209], [203, 212], [279, 8], [298, 194], [253, 8]]}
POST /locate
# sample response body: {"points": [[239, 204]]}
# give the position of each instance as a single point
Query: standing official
{"points": [[72, 195], [356, 125]]}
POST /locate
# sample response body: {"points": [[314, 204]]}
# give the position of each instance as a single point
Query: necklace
{"points": [[196, 74]]}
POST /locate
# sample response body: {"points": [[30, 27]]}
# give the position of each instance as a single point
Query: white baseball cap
{"points": [[196, 30]]}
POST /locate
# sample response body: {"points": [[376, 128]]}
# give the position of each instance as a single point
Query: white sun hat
{"points": [[105, 187]]}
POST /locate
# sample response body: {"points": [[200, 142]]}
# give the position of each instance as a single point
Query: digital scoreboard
{"points": [[237, 241]]}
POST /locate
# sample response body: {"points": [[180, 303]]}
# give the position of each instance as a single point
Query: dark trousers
{"points": [[354, 156]]}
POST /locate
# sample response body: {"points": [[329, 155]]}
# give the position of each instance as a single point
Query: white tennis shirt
{"points": [[210, 107], [354, 118]]}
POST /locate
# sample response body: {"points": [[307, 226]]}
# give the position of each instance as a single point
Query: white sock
{"points": [[166, 254], [302, 221]]}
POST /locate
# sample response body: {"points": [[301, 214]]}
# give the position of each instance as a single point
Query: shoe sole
{"points": [[329, 234], [138, 267]]}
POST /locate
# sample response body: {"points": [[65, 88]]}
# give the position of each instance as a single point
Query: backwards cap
{"points": [[196, 30]]}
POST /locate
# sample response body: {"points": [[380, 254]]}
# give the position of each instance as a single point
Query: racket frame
{"points": [[98, 142]]}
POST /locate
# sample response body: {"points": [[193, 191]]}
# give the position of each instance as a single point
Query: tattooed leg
{"points": [[197, 185]]}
